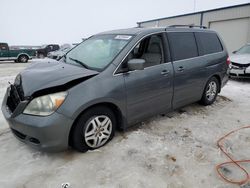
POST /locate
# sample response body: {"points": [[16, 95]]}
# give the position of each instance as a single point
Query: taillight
{"points": [[228, 61]]}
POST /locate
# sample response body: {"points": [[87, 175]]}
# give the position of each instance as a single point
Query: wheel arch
{"points": [[115, 109], [217, 76], [23, 54]]}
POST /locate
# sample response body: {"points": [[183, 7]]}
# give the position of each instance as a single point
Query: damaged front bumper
{"points": [[49, 133], [239, 72]]}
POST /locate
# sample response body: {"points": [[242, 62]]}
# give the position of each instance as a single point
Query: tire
{"points": [[87, 134], [41, 56], [210, 92], [23, 59]]}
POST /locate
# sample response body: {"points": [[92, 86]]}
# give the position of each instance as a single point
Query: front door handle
{"points": [[180, 69], [164, 72]]}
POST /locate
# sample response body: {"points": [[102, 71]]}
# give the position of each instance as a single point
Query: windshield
{"points": [[98, 51], [244, 50]]}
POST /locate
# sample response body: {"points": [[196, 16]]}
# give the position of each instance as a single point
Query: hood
{"points": [[50, 74], [240, 58], [57, 53]]}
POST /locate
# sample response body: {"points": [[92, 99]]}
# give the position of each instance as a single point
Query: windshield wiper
{"points": [[79, 62]]}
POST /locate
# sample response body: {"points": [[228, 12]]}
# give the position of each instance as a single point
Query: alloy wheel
{"points": [[211, 90], [98, 131], [23, 59]]}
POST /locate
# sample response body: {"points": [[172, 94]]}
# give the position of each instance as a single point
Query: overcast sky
{"points": [[36, 22]]}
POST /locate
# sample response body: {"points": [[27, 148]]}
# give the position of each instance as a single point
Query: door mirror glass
{"points": [[136, 64]]}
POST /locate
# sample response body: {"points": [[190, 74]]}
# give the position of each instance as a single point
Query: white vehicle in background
{"points": [[240, 62], [59, 53]]}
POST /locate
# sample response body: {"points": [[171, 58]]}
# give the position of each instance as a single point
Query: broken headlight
{"points": [[45, 105]]}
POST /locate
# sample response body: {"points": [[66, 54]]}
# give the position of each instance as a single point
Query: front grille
{"points": [[15, 97], [240, 65]]}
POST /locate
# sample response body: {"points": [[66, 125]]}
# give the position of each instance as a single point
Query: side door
{"points": [[4, 51], [149, 91], [189, 68]]}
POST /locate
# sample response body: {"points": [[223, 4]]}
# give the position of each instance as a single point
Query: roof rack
{"points": [[190, 26]]}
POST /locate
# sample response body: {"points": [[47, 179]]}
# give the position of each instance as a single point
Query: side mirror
{"points": [[136, 64], [234, 52]]}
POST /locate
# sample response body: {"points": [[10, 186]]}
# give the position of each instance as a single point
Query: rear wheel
{"points": [[94, 129], [23, 59], [210, 92]]}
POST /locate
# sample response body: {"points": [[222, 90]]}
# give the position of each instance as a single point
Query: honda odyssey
{"points": [[111, 81]]}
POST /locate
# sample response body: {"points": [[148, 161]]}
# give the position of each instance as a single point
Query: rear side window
{"points": [[183, 45], [3, 46], [208, 43]]}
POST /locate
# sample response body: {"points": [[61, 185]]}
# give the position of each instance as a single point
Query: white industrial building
{"points": [[232, 23]]}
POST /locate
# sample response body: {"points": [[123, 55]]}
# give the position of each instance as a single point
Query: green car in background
{"points": [[20, 55]]}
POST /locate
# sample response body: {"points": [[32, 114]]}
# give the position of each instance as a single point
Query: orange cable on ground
{"points": [[233, 161]]}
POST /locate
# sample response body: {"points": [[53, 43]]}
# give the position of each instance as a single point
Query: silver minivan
{"points": [[111, 81]]}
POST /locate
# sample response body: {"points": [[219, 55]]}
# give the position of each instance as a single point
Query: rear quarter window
{"points": [[3, 46], [208, 43], [183, 45]]}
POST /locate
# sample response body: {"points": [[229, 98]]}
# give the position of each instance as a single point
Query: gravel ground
{"points": [[173, 151]]}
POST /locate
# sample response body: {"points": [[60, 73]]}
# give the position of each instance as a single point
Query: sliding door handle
{"points": [[180, 69], [164, 72]]}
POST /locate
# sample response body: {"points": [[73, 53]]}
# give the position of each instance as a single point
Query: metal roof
{"points": [[193, 13], [132, 31], [143, 30]]}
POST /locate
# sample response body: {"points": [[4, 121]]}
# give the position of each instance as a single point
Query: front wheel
{"points": [[210, 92], [94, 129], [41, 56]]}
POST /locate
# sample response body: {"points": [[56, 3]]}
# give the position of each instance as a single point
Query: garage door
{"points": [[233, 32]]}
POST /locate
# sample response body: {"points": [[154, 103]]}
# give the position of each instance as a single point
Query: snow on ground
{"points": [[173, 151]]}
